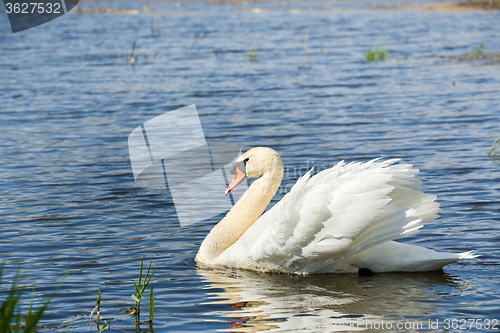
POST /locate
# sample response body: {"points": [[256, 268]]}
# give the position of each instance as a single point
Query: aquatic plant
{"points": [[98, 308], [477, 53], [140, 289], [106, 325], [132, 59], [253, 53], [492, 151], [377, 54], [481, 4], [155, 28], [151, 305], [10, 322]]}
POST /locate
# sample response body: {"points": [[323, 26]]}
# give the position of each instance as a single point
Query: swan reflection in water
{"points": [[326, 302]]}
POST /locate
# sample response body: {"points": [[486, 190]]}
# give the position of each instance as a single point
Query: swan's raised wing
{"points": [[333, 215]]}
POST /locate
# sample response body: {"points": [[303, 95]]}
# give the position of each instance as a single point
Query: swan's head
{"points": [[255, 163]]}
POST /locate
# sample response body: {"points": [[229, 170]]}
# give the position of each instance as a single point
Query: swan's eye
{"points": [[246, 159]]}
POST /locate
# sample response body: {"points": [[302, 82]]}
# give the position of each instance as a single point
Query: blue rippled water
{"points": [[68, 201]]}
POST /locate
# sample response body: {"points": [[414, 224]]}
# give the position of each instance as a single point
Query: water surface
{"points": [[68, 199]]}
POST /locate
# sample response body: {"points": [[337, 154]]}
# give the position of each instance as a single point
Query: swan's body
{"points": [[339, 220]]}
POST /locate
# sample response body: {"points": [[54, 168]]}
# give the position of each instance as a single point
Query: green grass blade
{"points": [[149, 269], [493, 147], [31, 324], [18, 321], [99, 298], [140, 273], [136, 288], [10, 304], [30, 311], [107, 325], [147, 282], [152, 275], [151, 305]]}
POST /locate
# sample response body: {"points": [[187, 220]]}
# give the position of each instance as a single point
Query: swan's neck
{"points": [[243, 214]]}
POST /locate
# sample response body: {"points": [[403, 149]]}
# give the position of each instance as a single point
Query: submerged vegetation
{"points": [[482, 4], [140, 288], [155, 27], [12, 321], [98, 308], [477, 53], [492, 152], [10, 316], [377, 54], [253, 53]]}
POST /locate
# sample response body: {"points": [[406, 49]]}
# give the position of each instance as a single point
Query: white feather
{"points": [[342, 218]]}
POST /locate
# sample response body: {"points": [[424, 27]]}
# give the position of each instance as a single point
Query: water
{"points": [[68, 198]]}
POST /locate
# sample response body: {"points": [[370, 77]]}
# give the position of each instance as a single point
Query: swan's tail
{"points": [[444, 258], [467, 255]]}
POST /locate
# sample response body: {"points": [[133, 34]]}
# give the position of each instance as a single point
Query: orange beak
{"points": [[238, 178]]}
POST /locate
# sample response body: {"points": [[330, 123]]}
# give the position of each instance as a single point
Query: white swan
{"points": [[341, 220]]}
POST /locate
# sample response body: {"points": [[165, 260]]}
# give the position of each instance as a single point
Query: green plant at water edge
{"points": [[477, 53], [253, 54], [492, 152], [151, 305], [10, 322], [107, 325], [98, 308], [140, 289], [377, 54]]}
